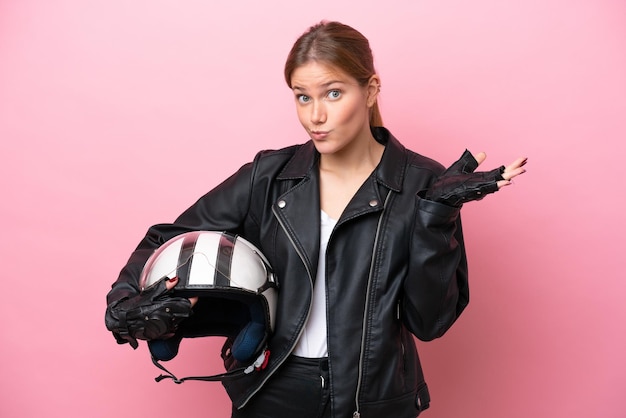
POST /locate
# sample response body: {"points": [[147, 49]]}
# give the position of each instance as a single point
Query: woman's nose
{"points": [[318, 113]]}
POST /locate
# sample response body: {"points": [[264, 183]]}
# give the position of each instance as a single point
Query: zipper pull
{"points": [[356, 414]]}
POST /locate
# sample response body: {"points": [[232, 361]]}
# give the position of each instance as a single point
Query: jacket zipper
{"points": [[293, 244], [357, 413]]}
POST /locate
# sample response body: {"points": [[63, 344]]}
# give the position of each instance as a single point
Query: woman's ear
{"points": [[373, 88]]}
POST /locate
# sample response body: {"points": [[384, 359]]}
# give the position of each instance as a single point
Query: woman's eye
{"points": [[302, 99], [334, 94]]}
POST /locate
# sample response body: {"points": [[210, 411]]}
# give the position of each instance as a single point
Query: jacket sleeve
{"points": [[436, 289], [224, 208]]}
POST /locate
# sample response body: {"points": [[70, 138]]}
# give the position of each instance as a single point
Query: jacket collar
{"points": [[389, 172]]}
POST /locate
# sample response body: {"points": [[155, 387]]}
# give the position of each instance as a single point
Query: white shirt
{"points": [[312, 342]]}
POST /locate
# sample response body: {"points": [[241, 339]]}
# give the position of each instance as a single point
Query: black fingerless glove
{"points": [[152, 314], [460, 184]]}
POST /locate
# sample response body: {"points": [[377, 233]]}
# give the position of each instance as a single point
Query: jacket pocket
{"points": [[400, 407]]}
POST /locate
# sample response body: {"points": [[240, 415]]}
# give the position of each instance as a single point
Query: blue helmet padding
{"points": [[242, 319], [165, 350], [248, 341]]}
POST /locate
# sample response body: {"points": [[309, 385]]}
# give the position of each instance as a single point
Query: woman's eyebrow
{"points": [[325, 85]]}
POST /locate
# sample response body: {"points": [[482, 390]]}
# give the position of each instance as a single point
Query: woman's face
{"points": [[332, 107]]}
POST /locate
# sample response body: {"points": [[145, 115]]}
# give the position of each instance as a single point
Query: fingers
{"points": [[510, 172], [170, 283], [503, 183], [520, 162], [515, 169]]}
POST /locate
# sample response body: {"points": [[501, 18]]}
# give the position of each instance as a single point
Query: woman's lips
{"points": [[317, 135]]}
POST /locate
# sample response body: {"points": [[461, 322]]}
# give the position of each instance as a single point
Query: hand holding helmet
{"points": [[237, 292], [460, 183], [153, 314]]}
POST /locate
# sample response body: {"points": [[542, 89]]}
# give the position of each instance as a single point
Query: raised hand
{"points": [[460, 183]]}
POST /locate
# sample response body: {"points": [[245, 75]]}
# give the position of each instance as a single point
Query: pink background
{"points": [[116, 115]]}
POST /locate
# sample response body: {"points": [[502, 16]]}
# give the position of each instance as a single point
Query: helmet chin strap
{"points": [[259, 364]]}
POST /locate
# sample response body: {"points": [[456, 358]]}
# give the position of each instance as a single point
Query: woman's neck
{"points": [[361, 157], [343, 173]]}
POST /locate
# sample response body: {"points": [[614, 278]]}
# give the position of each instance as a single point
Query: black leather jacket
{"points": [[396, 266]]}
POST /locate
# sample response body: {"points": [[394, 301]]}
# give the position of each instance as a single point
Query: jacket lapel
{"points": [[298, 209], [388, 175]]}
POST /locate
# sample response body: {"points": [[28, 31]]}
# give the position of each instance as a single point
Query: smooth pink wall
{"points": [[117, 115]]}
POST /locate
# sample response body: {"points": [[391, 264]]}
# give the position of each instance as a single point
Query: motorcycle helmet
{"points": [[235, 286]]}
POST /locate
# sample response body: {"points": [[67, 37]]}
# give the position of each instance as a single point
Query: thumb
{"points": [[480, 157]]}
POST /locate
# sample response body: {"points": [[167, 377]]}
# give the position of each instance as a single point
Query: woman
{"points": [[363, 234]]}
